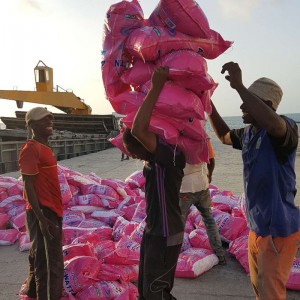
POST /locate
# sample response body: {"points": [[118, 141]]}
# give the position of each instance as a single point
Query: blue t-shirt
{"points": [[269, 179]]}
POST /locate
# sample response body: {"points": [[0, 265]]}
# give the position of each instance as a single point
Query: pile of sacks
{"points": [[103, 223], [176, 35]]}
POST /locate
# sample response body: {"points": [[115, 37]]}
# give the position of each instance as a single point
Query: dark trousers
{"points": [[157, 268], [36, 286]]}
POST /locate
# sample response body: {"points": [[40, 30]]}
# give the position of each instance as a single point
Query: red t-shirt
{"points": [[38, 159]]}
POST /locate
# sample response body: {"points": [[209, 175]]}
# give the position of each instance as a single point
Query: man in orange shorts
{"points": [[269, 146]]}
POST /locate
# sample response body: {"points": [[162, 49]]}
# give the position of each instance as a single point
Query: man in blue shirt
{"points": [[269, 146]]}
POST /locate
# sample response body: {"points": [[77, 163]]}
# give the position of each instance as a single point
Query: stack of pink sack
{"points": [[103, 224], [176, 35]]}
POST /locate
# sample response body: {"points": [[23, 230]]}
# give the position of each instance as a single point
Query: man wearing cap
{"points": [[38, 167], [268, 147]]}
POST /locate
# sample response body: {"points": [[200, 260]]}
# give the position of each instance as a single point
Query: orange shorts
{"points": [[270, 262]]}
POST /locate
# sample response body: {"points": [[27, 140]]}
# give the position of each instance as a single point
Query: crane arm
{"points": [[61, 100]]}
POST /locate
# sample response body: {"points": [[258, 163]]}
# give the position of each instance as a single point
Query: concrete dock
{"points": [[221, 282]]}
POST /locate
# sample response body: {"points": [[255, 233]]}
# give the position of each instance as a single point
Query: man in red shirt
{"points": [[38, 167]]}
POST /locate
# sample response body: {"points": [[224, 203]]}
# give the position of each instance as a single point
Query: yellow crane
{"points": [[46, 94]]}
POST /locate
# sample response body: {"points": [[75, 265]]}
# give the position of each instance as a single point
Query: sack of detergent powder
{"points": [[127, 102], [8, 236], [71, 251], [187, 69], [185, 16], [159, 126], [195, 151], [199, 239], [175, 101], [110, 272], [127, 252], [239, 249], [80, 272], [121, 19], [151, 43], [109, 290], [293, 282], [3, 220], [139, 73], [136, 179], [229, 227], [66, 193], [24, 241], [118, 142], [194, 262]]}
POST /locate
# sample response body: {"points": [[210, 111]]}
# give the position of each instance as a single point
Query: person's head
{"points": [[266, 90], [134, 147], [39, 122]]}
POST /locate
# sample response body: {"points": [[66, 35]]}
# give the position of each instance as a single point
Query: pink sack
{"points": [[71, 251], [71, 233], [118, 142], [91, 223], [104, 248], [109, 290], [80, 272], [232, 201], [18, 221], [117, 185], [127, 102], [239, 249], [177, 102], [151, 43], [7, 202], [193, 150], [199, 239], [103, 191], [65, 189], [121, 19], [140, 212], [72, 218], [118, 229], [107, 216], [159, 126], [129, 211], [139, 73], [136, 179], [3, 220], [127, 252], [195, 261], [183, 15], [229, 227], [137, 234], [8, 236], [110, 272], [185, 242], [24, 241], [293, 282], [188, 69]]}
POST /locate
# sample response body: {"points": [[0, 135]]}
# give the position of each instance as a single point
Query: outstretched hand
{"points": [[234, 74]]}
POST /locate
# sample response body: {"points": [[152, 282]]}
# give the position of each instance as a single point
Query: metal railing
{"points": [[62, 148]]}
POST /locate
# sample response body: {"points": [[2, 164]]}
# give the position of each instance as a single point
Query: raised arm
{"points": [[219, 126], [140, 128], [260, 110]]}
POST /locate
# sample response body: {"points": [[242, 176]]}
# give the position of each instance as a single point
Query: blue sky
{"points": [[66, 35]]}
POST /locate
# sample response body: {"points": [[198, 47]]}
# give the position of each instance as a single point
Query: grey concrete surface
{"points": [[221, 282]]}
